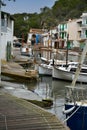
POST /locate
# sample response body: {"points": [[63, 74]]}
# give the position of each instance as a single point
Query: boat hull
{"points": [[69, 76], [78, 121], [44, 70]]}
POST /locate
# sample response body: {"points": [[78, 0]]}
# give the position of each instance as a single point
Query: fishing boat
{"points": [[76, 101], [68, 72], [46, 69], [45, 60]]}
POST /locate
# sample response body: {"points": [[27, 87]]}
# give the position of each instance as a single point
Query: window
{"points": [[86, 33], [2, 22], [86, 21]]}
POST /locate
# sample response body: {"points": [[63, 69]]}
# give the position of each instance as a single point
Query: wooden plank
{"points": [[22, 115]]}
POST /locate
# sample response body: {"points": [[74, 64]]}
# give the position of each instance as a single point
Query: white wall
{"points": [[6, 37]]}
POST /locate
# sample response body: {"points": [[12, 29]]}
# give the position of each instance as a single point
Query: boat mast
{"points": [[81, 60], [67, 50], [0, 36]]}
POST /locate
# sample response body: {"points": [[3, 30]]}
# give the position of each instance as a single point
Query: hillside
{"points": [[62, 10], [66, 9]]}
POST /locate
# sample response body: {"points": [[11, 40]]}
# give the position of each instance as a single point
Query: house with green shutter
{"points": [[68, 33], [73, 33]]}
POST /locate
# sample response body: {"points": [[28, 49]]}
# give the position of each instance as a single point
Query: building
{"points": [[68, 31], [84, 26], [73, 30], [62, 34], [7, 28], [34, 36]]}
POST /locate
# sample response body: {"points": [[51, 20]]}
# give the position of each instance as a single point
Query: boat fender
{"points": [[68, 110]]}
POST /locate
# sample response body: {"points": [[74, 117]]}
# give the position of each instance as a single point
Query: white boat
{"points": [[45, 60], [68, 72], [46, 69], [26, 51]]}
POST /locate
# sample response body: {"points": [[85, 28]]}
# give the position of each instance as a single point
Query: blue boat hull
{"points": [[78, 121]]}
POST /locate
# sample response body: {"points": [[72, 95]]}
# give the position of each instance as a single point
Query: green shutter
{"points": [[86, 21]]}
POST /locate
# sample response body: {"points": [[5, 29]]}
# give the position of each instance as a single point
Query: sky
{"points": [[26, 6]]}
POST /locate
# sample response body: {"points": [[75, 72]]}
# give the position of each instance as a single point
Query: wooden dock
{"points": [[18, 114]]}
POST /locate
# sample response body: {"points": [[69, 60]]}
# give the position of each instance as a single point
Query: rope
{"points": [[57, 106], [72, 114]]}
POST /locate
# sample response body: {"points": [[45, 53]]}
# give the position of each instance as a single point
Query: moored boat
{"points": [[68, 72], [45, 69], [76, 107], [76, 100]]}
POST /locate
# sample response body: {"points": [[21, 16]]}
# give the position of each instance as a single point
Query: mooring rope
{"points": [[71, 114]]}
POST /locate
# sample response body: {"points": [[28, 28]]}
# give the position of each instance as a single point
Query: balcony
{"points": [[62, 30], [83, 36], [84, 25]]}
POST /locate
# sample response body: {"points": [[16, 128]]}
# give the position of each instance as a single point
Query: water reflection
{"points": [[55, 89], [58, 90]]}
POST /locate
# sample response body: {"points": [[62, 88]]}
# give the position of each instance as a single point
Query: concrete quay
{"points": [[14, 70]]}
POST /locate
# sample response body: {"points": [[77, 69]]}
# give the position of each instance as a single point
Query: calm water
{"points": [[49, 88], [46, 87]]}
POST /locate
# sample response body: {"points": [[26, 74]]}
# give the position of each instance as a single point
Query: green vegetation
{"points": [[62, 10]]}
